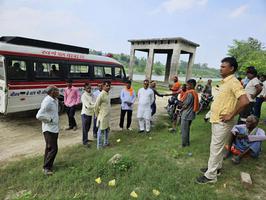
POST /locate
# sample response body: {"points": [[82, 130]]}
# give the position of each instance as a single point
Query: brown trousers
{"points": [[50, 149]]}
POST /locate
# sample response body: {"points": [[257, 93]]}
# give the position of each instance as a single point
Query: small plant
{"points": [[122, 165]]}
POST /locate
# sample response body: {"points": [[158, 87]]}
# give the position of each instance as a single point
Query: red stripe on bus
{"points": [[37, 85], [62, 82], [54, 57]]}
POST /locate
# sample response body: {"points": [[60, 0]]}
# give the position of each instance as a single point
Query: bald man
{"points": [[246, 140]]}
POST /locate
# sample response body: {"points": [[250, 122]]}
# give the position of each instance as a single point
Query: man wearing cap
{"points": [[71, 100]]}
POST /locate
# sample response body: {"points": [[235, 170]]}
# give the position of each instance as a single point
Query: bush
{"points": [[122, 165], [118, 168]]}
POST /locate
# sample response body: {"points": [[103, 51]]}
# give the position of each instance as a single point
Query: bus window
{"points": [[79, 71], [54, 71], [16, 70], [119, 73], [46, 70], [98, 72], [2, 75], [107, 72], [102, 72]]}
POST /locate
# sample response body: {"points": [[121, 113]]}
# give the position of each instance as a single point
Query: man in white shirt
{"points": [[146, 98], [127, 97], [48, 115], [86, 113], [253, 88]]}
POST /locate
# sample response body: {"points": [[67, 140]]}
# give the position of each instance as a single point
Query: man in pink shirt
{"points": [[71, 99]]}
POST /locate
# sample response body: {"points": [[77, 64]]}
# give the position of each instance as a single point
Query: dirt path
{"points": [[20, 134]]}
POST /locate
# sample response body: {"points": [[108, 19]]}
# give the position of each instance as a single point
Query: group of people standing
{"points": [[147, 105], [95, 106], [231, 100]]}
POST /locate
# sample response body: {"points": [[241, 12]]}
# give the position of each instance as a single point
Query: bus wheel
{"points": [[60, 107]]}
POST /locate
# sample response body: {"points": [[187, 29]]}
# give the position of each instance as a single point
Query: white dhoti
{"points": [[144, 117]]}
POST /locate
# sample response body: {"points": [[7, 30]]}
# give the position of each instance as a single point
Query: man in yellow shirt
{"points": [[230, 100]]}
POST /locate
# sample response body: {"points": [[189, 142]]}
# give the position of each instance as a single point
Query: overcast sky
{"points": [[107, 25]]}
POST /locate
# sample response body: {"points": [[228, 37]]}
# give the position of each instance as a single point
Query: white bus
{"points": [[28, 66]]}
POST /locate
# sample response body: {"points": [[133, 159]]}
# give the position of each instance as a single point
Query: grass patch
{"points": [[148, 162]]}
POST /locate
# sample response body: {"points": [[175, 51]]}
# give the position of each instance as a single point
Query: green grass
{"points": [[149, 162]]}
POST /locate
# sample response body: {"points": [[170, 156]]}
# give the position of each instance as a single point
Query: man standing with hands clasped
{"points": [[127, 97], [230, 100], [48, 115]]}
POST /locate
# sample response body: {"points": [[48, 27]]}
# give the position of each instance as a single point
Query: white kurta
{"points": [[146, 98]]}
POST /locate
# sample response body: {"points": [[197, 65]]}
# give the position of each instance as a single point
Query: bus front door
{"points": [[3, 89]]}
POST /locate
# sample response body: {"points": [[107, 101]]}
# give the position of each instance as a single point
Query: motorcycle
{"points": [[205, 101], [172, 105]]}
